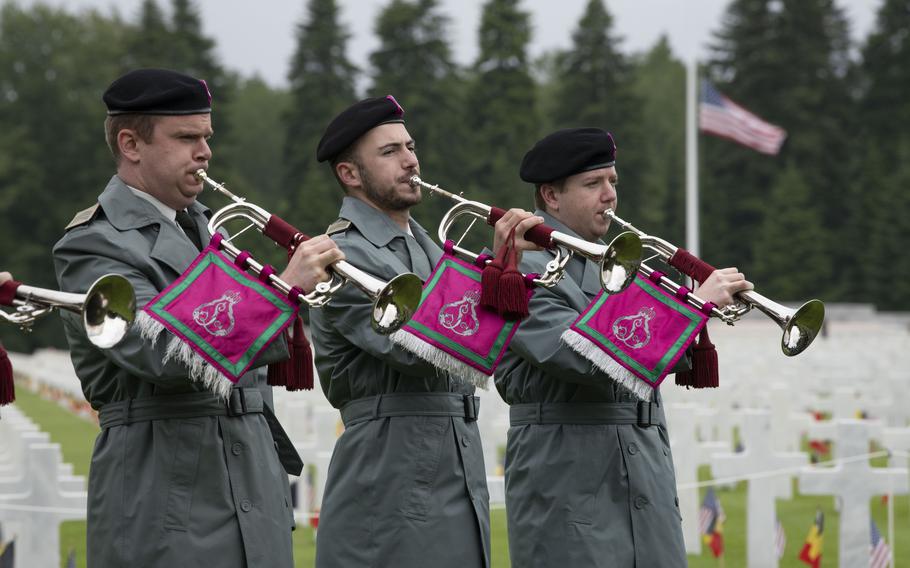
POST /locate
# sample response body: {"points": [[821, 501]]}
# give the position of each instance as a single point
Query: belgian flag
{"points": [[811, 552]]}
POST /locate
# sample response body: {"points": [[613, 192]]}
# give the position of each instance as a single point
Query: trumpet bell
{"points": [[802, 327], [396, 303], [109, 309], [621, 263]]}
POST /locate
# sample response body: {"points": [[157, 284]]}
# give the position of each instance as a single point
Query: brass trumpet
{"points": [[107, 309], [394, 302], [800, 326], [619, 261]]}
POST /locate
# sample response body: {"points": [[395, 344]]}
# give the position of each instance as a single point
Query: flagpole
{"points": [[692, 229]]}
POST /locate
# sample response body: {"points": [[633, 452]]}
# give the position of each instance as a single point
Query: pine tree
{"points": [[660, 81], [885, 108], [785, 60], [321, 85], [414, 63], [53, 160], [883, 114], [501, 106], [152, 45], [789, 246]]}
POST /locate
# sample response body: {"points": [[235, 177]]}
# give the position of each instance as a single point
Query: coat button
{"points": [[465, 441], [236, 448], [633, 449], [641, 502], [245, 506]]}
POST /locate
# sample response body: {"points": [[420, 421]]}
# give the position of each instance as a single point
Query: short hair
{"points": [[142, 124], [559, 185], [347, 155]]}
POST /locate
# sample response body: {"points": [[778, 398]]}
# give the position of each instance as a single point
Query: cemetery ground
{"points": [[76, 437]]}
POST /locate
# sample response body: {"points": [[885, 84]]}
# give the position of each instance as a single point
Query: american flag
{"points": [[780, 539], [722, 117], [710, 513], [879, 551]]}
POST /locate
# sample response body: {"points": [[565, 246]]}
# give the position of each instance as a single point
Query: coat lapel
{"points": [[126, 212]]}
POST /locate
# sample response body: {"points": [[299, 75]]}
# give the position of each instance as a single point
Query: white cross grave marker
{"points": [[854, 482], [758, 458]]}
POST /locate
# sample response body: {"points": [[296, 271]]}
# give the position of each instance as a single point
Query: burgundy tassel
{"points": [[513, 294], [704, 363], [295, 373], [301, 362], [489, 284], [7, 387], [278, 372]]}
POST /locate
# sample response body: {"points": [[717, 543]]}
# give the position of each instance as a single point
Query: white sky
{"points": [[260, 37]]}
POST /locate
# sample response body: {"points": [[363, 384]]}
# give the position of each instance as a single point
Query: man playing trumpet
{"points": [[178, 476], [406, 486], [585, 485]]}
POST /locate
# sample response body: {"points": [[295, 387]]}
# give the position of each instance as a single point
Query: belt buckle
{"points": [[645, 414], [470, 408], [236, 394]]}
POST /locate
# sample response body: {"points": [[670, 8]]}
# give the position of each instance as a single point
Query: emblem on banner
{"points": [[217, 316], [461, 316], [633, 331]]}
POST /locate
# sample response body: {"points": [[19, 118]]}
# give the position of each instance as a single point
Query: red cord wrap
{"points": [[7, 387], [8, 292], [283, 233], [539, 235], [704, 357], [297, 372]]}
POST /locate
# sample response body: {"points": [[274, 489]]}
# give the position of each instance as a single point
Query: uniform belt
{"points": [[411, 404], [639, 413], [194, 405], [191, 405]]}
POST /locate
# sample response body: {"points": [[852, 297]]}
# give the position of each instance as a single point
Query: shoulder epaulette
{"points": [[339, 226], [83, 217]]}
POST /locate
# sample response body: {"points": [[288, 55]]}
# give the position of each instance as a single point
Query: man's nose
{"points": [[203, 151]]}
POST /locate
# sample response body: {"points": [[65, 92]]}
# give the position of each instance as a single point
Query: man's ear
{"points": [[128, 143], [550, 196], [348, 173]]}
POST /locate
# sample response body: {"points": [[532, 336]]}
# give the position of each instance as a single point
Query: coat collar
{"points": [[588, 274], [127, 212], [379, 229]]}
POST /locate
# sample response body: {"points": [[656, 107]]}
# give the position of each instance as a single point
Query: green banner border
{"points": [[651, 375], [160, 307], [490, 358]]}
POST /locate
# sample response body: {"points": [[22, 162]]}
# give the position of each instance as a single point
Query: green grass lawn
{"points": [[76, 436]]}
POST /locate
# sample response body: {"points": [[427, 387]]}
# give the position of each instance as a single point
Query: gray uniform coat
{"points": [[196, 491], [404, 490], [580, 496]]}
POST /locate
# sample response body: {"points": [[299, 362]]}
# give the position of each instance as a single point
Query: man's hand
{"points": [[5, 276], [308, 265], [720, 287], [522, 221]]}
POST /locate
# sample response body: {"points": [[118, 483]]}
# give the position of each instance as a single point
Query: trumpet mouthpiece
{"points": [[200, 174], [414, 181]]}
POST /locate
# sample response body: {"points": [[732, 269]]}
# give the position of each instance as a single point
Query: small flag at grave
{"points": [[811, 552], [780, 539], [71, 559], [710, 522], [879, 552], [8, 554]]}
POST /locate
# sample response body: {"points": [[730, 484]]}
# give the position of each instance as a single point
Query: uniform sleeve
{"points": [[348, 315], [86, 254], [539, 337]]}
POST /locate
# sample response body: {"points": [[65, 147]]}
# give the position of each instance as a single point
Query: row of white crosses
{"points": [[38, 491]]}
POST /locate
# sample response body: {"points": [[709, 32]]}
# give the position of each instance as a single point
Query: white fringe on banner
{"points": [[199, 369], [584, 347], [439, 358]]}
